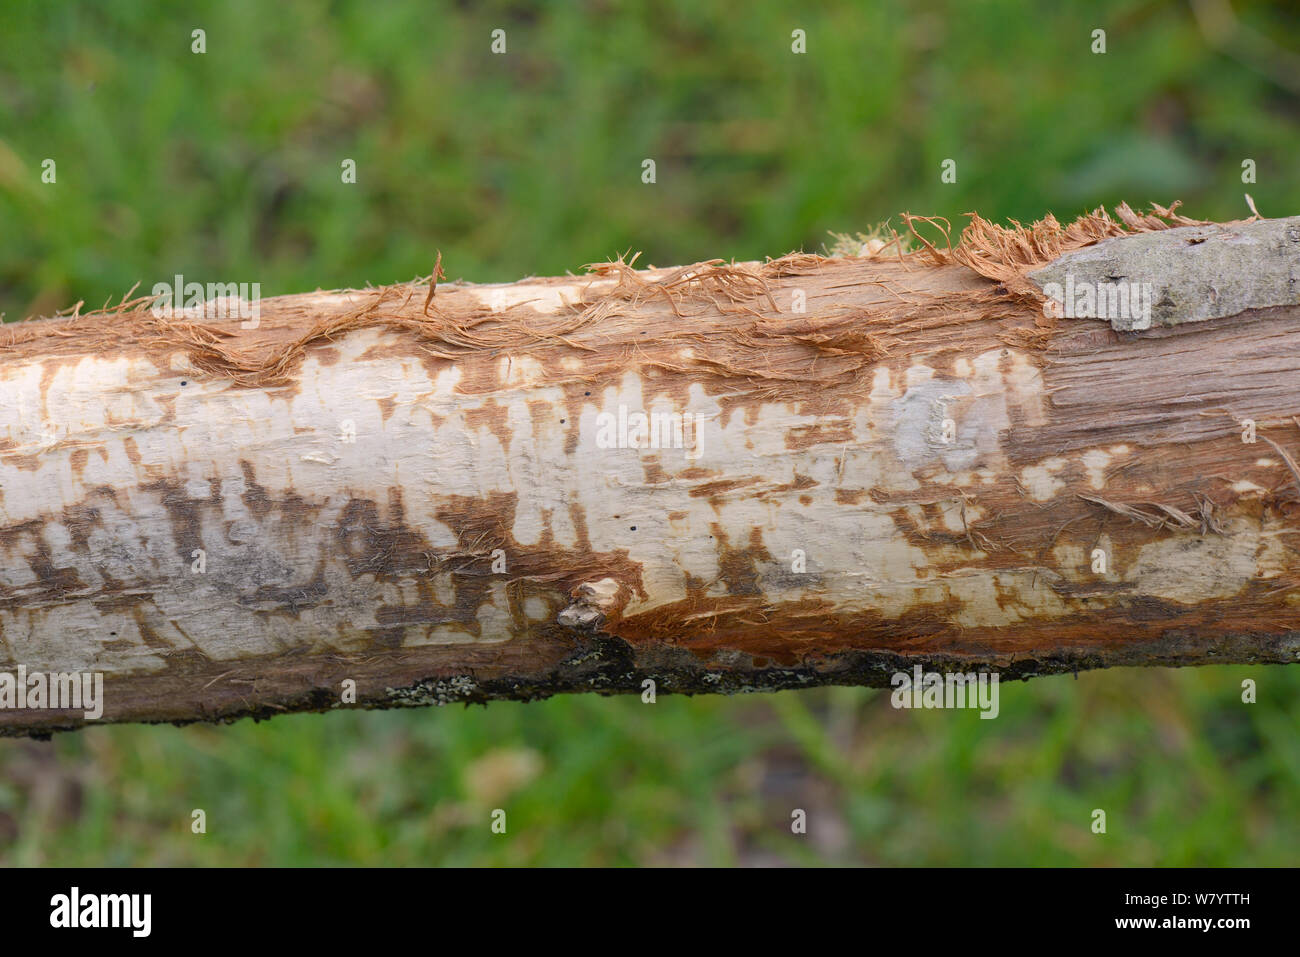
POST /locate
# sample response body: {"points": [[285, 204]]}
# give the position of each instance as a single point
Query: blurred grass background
{"points": [[226, 165]]}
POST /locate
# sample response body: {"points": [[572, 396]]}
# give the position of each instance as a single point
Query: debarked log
{"points": [[1031, 450]]}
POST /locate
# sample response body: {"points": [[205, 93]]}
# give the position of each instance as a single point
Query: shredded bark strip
{"points": [[919, 292]]}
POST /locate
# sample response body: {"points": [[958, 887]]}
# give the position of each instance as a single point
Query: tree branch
{"points": [[721, 477]]}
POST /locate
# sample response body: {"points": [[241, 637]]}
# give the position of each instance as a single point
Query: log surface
{"points": [[886, 460]]}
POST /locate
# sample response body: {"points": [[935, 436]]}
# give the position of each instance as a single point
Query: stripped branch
{"points": [[717, 477]]}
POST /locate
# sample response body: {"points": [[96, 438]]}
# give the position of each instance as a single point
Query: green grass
{"points": [[226, 166], [1186, 773]]}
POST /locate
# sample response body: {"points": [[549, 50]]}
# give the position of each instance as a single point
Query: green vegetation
{"points": [[226, 165]]}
